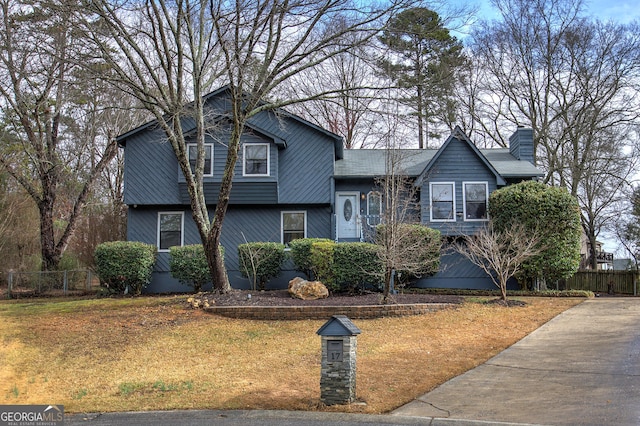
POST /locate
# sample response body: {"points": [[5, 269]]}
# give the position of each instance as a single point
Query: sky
{"points": [[616, 10]]}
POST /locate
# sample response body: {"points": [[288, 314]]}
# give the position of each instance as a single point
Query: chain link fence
{"points": [[49, 283]]}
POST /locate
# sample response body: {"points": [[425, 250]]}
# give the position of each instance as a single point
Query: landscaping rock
{"points": [[307, 290]]}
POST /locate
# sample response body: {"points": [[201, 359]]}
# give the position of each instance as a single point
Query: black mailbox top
{"points": [[338, 325]]}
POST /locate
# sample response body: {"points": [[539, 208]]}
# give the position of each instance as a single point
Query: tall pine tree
{"points": [[424, 61]]}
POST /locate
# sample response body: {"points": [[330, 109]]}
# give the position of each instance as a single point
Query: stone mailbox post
{"points": [[338, 373]]}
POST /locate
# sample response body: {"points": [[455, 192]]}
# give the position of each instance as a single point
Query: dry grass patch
{"points": [[154, 354]]}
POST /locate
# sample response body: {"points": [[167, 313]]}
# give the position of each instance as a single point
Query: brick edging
{"points": [[324, 312]]}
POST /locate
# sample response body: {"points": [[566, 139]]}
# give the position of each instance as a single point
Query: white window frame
{"points": [[206, 145], [453, 192], [181, 228], [464, 200], [284, 212], [244, 159]]}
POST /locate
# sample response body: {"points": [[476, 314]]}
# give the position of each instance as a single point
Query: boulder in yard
{"points": [[307, 290]]}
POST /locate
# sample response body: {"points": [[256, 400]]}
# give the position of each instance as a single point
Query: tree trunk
{"points": [[50, 256], [215, 260], [214, 257], [503, 289], [593, 257], [420, 109], [387, 285]]}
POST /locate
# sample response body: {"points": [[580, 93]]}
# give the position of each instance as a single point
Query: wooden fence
{"points": [[620, 282]]}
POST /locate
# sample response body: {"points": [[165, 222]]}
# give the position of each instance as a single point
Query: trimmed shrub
{"points": [[322, 263], [357, 265], [189, 265], [301, 254], [122, 264], [261, 261], [552, 213]]}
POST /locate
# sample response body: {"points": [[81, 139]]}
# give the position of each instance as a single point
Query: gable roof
{"points": [[338, 325], [367, 163], [461, 136], [252, 124]]}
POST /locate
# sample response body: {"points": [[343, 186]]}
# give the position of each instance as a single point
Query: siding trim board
{"points": [[241, 193]]}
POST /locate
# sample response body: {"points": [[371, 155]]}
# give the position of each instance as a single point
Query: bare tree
{"points": [[500, 253], [166, 53], [109, 112], [404, 245], [18, 228], [39, 111], [576, 83], [351, 112]]}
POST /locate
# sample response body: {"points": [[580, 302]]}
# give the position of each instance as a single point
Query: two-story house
{"points": [[294, 180]]}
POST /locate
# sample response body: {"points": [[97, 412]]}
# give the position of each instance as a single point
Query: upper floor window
{"points": [[294, 226], [475, 196], [442, 201], [192, 155], [170, 230], [256, 159]]}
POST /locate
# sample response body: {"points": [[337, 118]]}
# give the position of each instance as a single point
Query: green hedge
{"points": [[189, 265], [356, 265], [301, 254], [122, 264], [261, 261], [550, 212], [322, 263]]}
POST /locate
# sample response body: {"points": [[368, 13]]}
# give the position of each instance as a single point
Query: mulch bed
{"points": [[282, 298]]}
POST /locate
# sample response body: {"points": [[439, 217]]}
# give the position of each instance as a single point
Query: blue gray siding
{"points": [[457, 272], [521, 144], [300, 170], [306, 167], [458, 163], [250, 223], [150, 170]]}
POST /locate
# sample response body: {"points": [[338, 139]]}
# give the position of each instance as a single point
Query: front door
{"points": [[347, 209]]}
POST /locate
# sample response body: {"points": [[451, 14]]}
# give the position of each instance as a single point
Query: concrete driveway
{"points": [[581, 368]]}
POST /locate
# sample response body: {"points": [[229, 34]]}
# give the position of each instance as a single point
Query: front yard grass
{"points": [[153, 353]]}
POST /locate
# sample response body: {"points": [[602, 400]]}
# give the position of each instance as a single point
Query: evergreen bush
{"points": [[122, 264], [357, 265], [412, 250], [301, 254], [189, 265], [322, 263], [550, 212]]}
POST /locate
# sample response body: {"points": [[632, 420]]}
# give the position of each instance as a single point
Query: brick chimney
{"points": [[521, 144]]}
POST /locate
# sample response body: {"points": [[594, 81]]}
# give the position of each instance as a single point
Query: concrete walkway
{"points": [[581, 368]]}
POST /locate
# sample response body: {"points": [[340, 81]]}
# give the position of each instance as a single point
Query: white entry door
{"points": [[347, 209]]}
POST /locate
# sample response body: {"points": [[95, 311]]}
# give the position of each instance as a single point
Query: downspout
{"points": [[332, 205]]}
